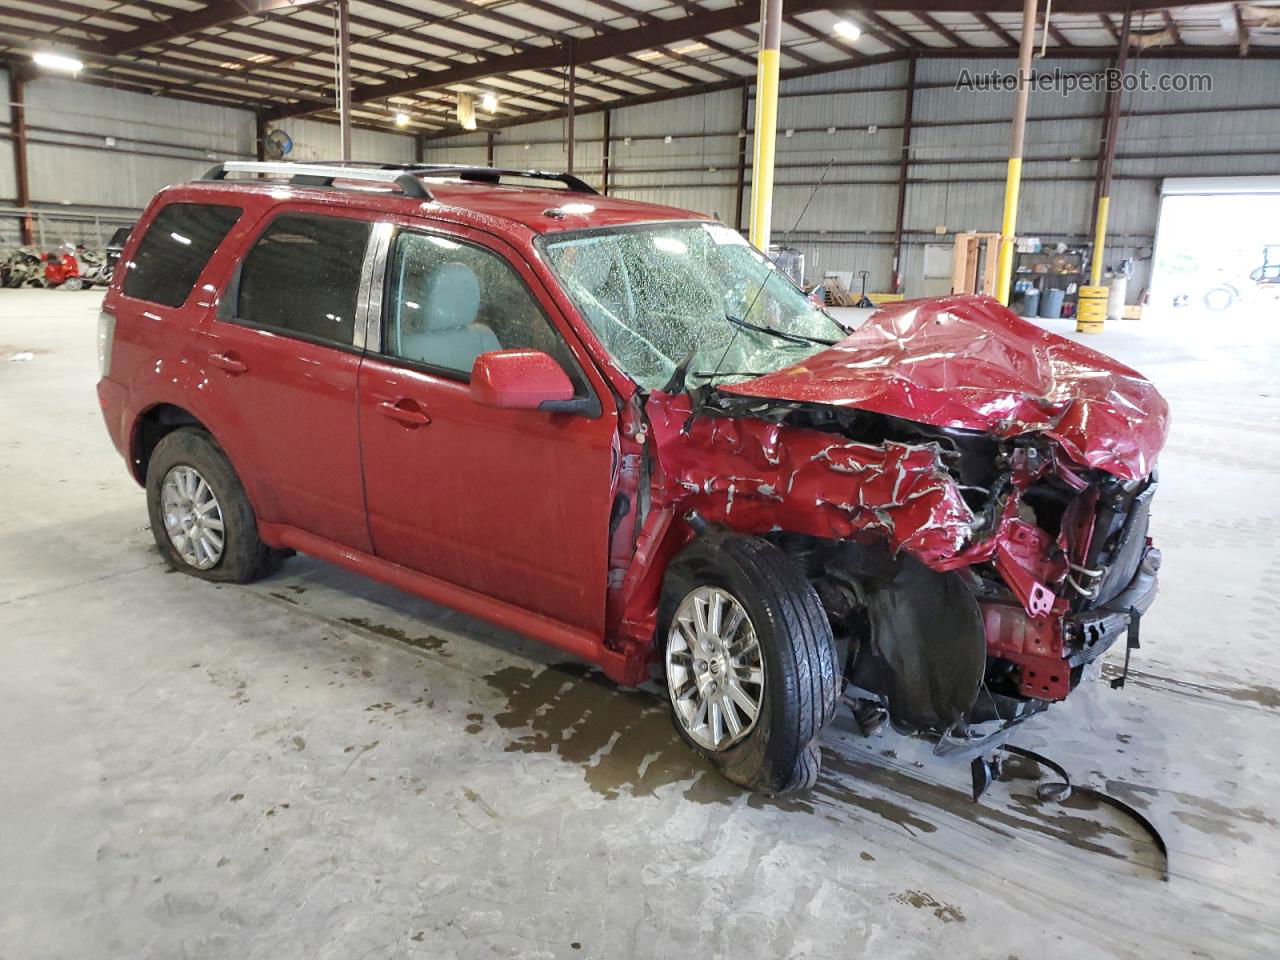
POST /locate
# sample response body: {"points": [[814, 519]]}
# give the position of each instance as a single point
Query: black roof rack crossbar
{"points": [[495, 175], [324, 174]]}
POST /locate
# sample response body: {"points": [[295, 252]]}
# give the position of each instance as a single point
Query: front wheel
{"points": [[750, 662], [73, 284]]}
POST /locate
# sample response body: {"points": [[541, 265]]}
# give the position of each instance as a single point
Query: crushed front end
{"points": [[969, 495]]}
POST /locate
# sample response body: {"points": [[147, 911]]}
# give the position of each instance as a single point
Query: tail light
{"points": [[106, 334]]}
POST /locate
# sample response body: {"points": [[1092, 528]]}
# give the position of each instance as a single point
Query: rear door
{"points": [[513, 504], [280, 360]]}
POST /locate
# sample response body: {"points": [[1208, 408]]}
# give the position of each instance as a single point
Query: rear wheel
{"points": [[1220, 298], [201, 518], [73, 283], [750, 662]]}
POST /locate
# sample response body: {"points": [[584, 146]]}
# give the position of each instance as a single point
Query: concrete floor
{"points": [[316, 766]]}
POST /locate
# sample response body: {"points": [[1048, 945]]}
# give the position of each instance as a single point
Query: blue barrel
{"points": [[1030, 303], [1051, 304]]}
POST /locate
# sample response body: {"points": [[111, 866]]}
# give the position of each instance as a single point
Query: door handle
{"points": [[228, 362], [406, 411]]}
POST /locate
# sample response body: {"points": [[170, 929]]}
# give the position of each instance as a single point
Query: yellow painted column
{"points": [[1013, 178], [1091, 302], [1008, 226], [765, 135], [1099, 241]]}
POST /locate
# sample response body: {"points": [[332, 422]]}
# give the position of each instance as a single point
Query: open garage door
{"points": [[1217, 248]]}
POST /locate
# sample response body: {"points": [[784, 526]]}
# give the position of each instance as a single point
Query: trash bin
{"points": [[1116, 293], [1051, 304], [1030, 303]]}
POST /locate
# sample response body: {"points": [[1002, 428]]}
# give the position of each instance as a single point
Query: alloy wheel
{"points": [[715, 672], [192, 517]]}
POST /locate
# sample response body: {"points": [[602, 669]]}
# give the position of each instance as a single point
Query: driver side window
{"points": [[452, 301]]}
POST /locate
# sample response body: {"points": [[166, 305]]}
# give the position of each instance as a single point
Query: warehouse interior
{"points": [[318, 764]]}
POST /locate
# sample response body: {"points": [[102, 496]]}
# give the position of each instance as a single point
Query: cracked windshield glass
{"points": [[691, 295]]}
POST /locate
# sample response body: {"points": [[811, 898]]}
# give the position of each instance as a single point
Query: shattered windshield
{"points": [[691, 294]]}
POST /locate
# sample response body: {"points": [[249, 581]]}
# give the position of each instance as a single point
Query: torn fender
{"points": [[970, 362], [753, 476]]}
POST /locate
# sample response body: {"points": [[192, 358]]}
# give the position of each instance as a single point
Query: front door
{"points": [[513, 504], [280, 364]]}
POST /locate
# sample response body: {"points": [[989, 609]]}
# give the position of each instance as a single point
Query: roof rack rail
{"points": [[495, 174], [323, 174]]}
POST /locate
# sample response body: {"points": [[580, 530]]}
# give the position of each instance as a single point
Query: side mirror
{"points": [[519, 380]]}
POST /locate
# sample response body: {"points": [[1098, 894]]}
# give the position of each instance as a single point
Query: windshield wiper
{"points": [[710, 375], [799, 338]]}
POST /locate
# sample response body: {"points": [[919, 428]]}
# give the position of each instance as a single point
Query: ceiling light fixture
{"points": [[490, 101], [57, 61], [849, 31], [402, 119]]}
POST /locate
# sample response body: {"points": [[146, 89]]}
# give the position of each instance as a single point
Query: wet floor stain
{"points": [[1199, 813], [430, 642], [626, 745], [1258, 694], [622, 738], [924, 901]]}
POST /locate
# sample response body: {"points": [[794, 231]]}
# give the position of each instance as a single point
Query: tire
{"points": [[243, 557], [1220, 298], [778, 753], [73, 284]]}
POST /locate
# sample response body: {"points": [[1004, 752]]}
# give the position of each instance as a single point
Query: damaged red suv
{"points": [[616, 428]]}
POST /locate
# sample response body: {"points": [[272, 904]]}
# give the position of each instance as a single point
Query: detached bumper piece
{"points": [[987, 770]]}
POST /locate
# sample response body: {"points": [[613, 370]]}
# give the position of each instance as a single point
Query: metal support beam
{"points": [[1107, 158], [488, 148], [904, 164], [766, 126], [742, 156], [571, 98], [185, 23], [1013, 177], [344, 77], [18, 134], [420, 148], [588, 50], [260, 136], [605, 147]]}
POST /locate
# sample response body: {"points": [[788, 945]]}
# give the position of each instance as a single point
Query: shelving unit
{"points": [[1047, 270]]}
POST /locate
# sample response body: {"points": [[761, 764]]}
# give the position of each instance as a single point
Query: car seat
{"points": [[450, 337]]}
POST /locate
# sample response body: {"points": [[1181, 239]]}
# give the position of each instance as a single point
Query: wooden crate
{"points": [[973, 263]]}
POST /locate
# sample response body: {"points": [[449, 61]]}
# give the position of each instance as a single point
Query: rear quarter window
{"points": [[175, 249]]}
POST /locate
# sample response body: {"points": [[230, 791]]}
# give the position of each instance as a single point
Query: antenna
{"points": [[816, 187], [769, 275]]}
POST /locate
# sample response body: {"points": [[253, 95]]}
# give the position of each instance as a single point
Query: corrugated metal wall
{"points": [[8, 187], [851, 119], [313, 140], [956, 180], [96, 156]]}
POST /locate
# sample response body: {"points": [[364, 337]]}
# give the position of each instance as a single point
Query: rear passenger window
{"points": [[302, 277], [174, 251]]}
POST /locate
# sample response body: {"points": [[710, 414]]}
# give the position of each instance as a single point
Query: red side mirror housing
{"points": [[518, 380]]}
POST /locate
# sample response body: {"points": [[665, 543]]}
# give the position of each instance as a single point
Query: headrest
{"points": [[452, 298]]}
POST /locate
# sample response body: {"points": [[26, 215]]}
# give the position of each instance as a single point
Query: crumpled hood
{"points": [[970, 362]]}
